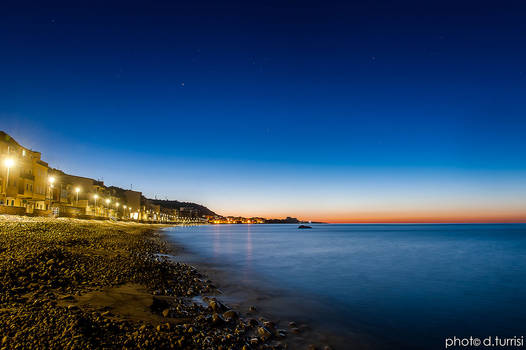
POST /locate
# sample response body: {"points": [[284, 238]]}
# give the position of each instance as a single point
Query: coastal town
{"points": [[31, 187], [107, 280]]}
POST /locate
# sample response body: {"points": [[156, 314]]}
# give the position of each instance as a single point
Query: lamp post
{"points": [[51, 181], [108, 207], [8, 162], [95, 196], [77, 190]]}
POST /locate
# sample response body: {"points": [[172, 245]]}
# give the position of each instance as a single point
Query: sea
{"points": [[375, 286]]}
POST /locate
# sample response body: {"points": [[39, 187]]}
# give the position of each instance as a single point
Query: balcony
{"points": [[27, 176]]}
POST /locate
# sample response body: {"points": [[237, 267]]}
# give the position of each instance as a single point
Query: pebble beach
{"points": [[79, 284]]}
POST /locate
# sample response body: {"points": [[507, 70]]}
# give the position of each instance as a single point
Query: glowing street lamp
{"points": [[77, 190], [9, 163], [95, 197], [51, 181], [108, 201]]}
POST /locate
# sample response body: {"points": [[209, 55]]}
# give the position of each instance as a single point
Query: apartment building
{"points": [[23, 176]]}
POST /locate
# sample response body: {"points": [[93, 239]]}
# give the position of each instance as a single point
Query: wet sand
{"points": [[75, 284]]}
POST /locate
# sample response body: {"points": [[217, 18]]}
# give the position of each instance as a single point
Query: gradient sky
{"points": [[336, 111]]}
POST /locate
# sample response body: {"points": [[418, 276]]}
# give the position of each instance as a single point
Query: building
{"points": [[188, 212], [133, 203], [29, 186], [23, 177], [76, 194]]}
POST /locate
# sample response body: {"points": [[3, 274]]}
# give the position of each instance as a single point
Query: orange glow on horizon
{"points": [[428, 220], [445, 216]]}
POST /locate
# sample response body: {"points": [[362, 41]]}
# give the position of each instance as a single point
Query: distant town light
{"points": [[9, 162]]}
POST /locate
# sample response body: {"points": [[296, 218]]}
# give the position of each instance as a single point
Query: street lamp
{"points": [[77, 189], [8, 162], [108, 206], [95, 197], [51, 181]]}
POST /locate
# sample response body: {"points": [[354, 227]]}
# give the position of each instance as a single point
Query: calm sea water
{"points": [[410, 286]]}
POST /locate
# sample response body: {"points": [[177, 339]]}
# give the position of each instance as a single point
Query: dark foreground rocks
{"points": [[69, 284]]}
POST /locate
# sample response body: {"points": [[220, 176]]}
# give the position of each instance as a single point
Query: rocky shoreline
{"points": [[76, 284]]}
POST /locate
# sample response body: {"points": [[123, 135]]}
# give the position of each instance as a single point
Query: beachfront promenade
{"points": [[29, 186]]}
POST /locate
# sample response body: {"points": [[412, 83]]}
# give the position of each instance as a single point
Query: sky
{"points": [[384, 111]]}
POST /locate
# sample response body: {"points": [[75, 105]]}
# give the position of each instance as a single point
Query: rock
{"points": [[230, 315], [293, 324], [264, 333], [166, 312], [217, 319], [252, 322], [217, 306], [4, 339], [269, 325]]}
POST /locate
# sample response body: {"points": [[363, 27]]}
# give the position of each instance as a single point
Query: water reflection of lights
{"points": [[248, 259], [217, 241]]}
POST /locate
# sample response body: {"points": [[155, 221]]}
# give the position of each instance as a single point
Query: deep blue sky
{"points": [[276, 108]]}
